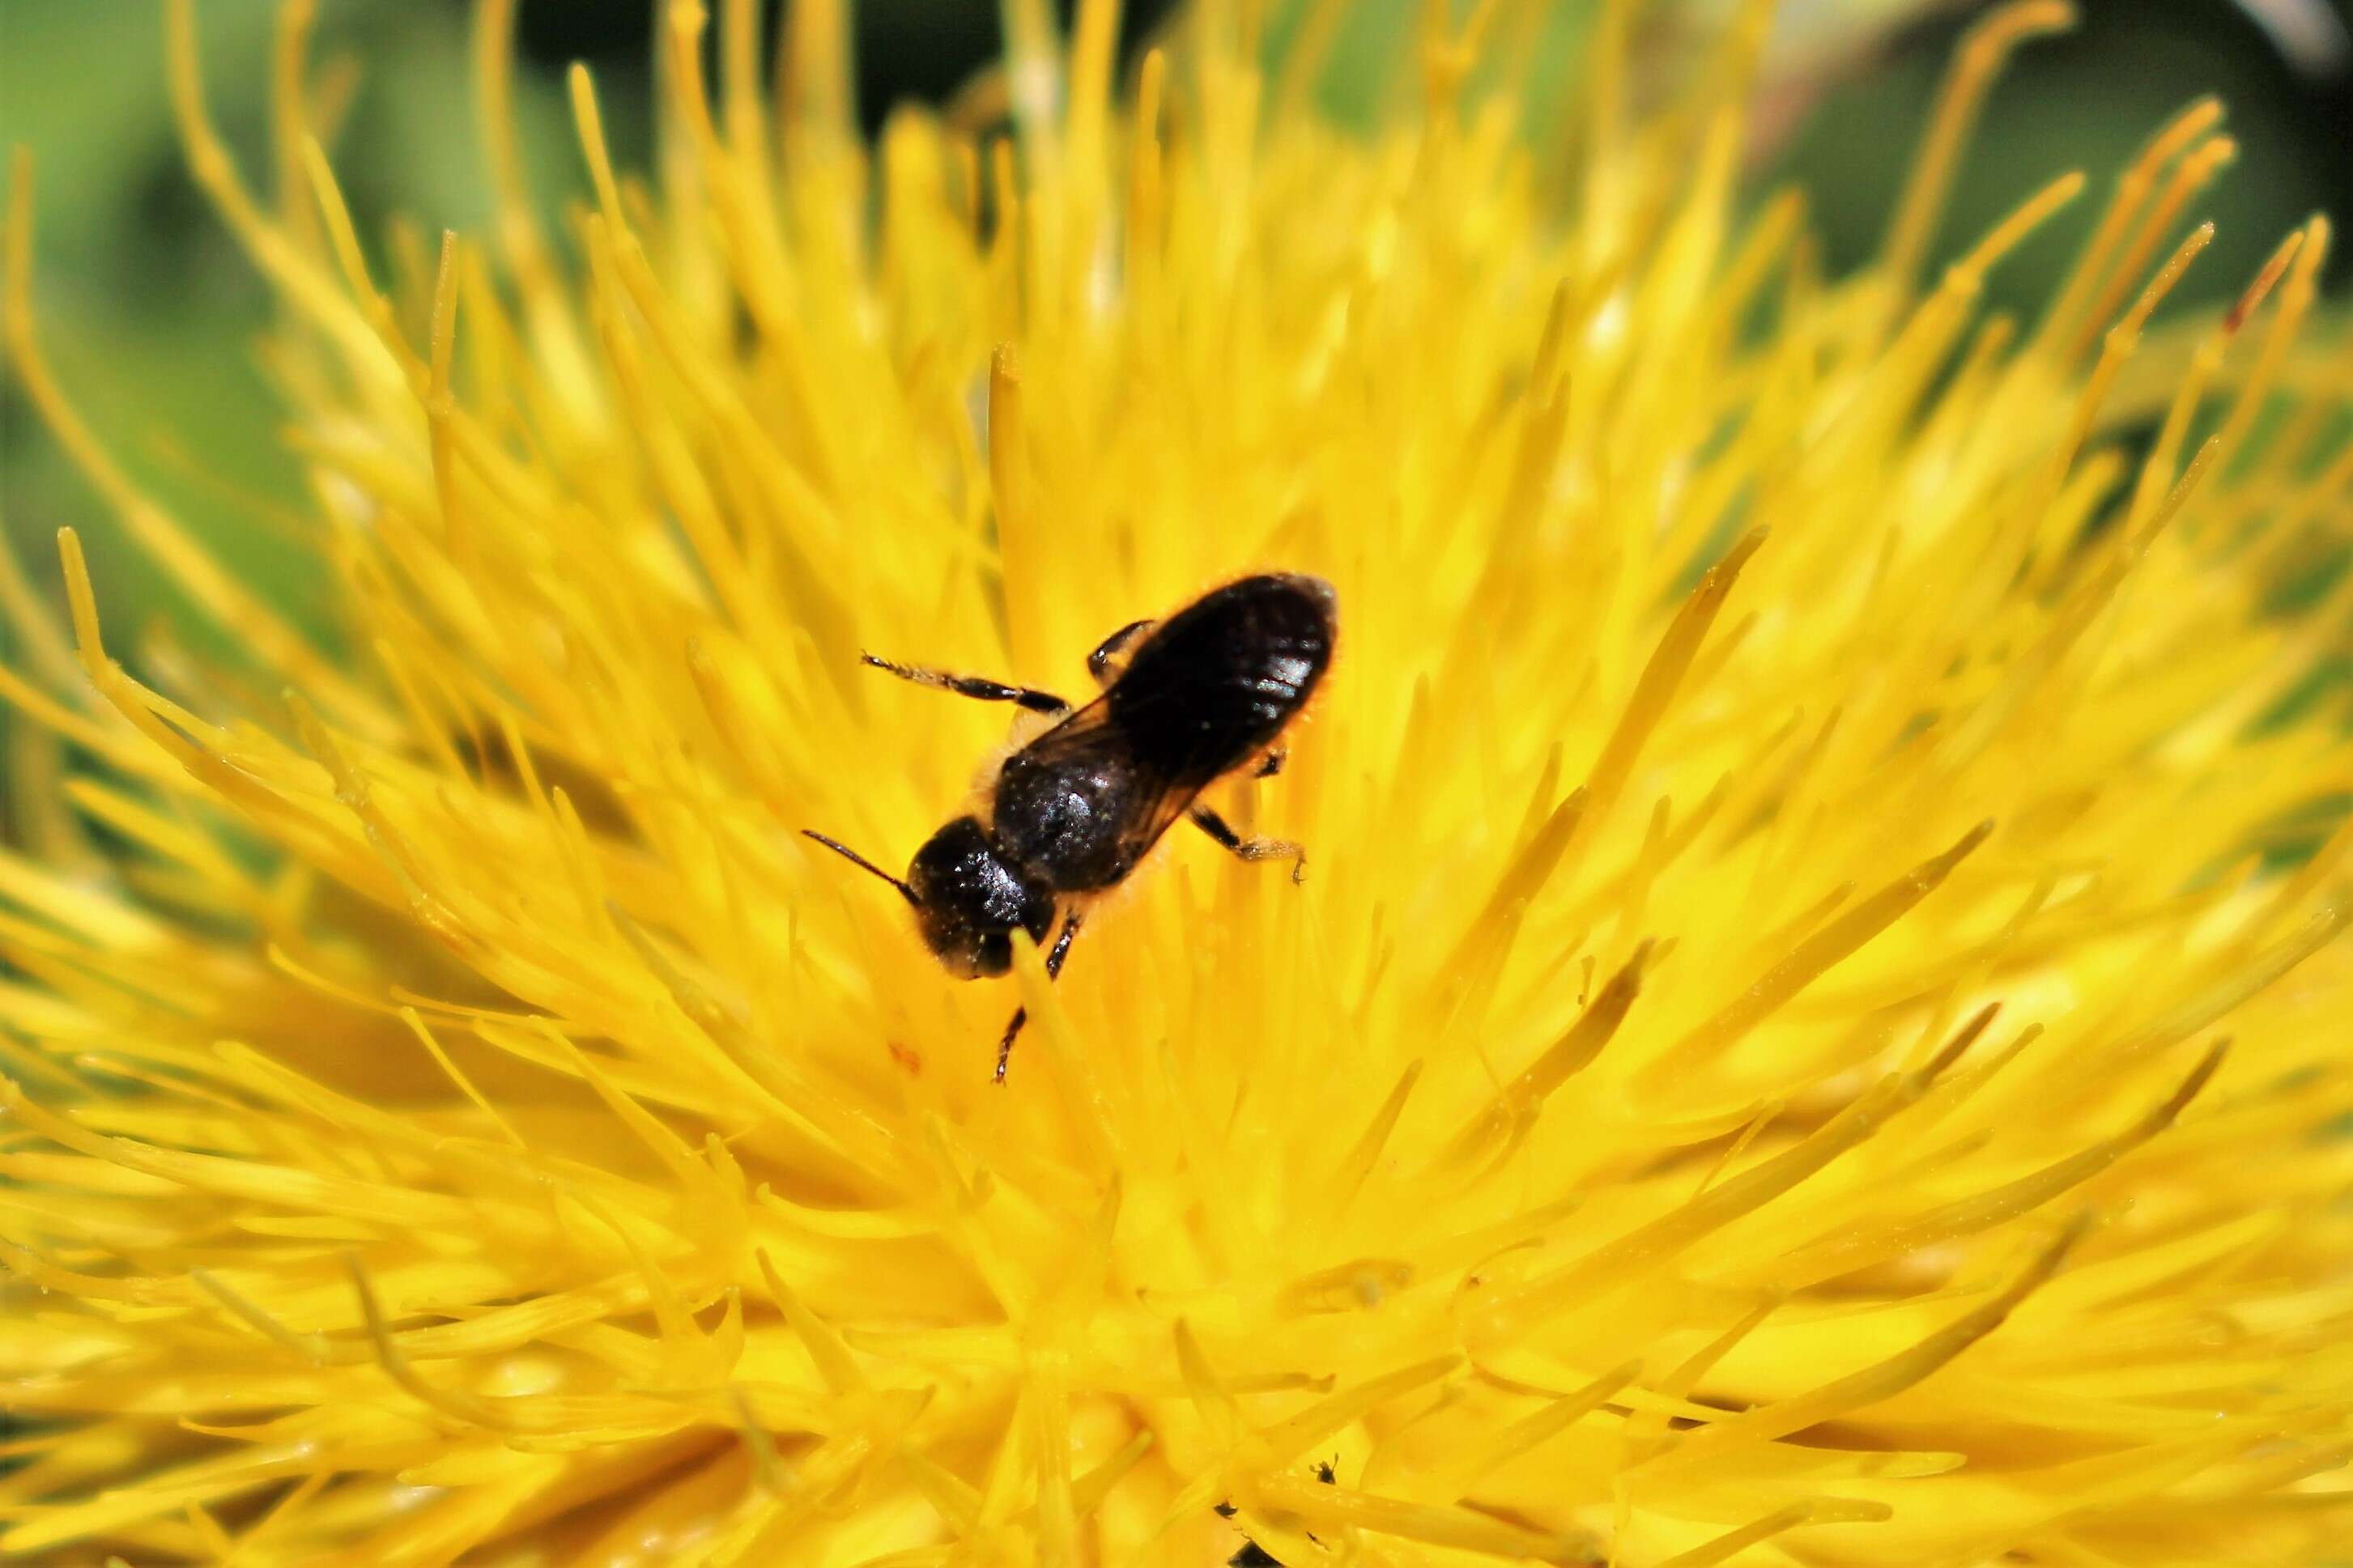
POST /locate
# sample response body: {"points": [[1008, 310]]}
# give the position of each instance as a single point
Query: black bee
{"points": [[1201, 695]]}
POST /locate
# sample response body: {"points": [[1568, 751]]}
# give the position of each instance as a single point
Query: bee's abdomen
{"points": [[1216, 682]]}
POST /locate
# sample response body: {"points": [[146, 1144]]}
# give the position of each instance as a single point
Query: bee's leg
{"points": [[1216, 827], [1005, 1045], [1099, 661], [980, 687], [1271, 763], [1061, 949]]}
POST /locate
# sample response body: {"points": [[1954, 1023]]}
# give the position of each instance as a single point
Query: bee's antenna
{"points": [[855, 858]]}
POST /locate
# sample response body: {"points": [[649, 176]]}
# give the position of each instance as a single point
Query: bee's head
{"points": [[970, 900], [969, 897]]}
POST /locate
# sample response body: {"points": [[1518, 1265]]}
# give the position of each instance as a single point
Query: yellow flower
{"points": [[1811, 779]]}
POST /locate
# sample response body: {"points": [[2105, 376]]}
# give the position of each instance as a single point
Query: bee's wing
{"points": [[1153, 801]]}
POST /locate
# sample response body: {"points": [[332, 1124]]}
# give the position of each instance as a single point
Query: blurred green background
{"points": [[151, 314]]}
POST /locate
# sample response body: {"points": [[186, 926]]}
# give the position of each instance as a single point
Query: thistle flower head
{"points": [[1813, 1031]]}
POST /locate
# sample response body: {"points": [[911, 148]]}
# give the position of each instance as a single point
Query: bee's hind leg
{"points": [[1218, 828], [1110, 648]]}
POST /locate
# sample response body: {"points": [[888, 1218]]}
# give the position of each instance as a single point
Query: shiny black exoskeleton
{"points": [[1201, 695]]}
